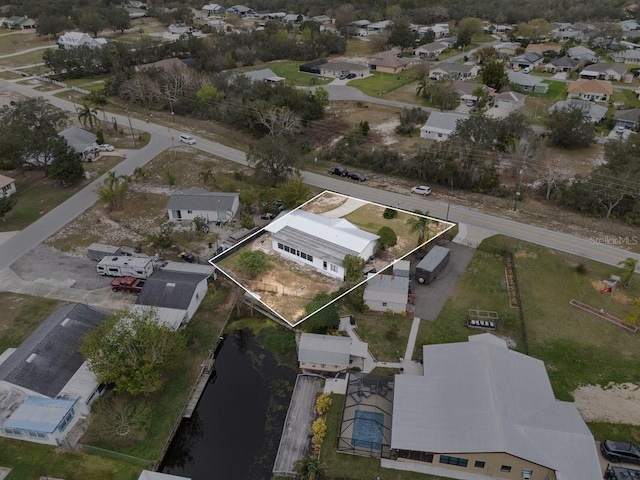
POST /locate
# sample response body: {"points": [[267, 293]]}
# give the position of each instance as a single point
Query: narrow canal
{"points": [[235, 430]]}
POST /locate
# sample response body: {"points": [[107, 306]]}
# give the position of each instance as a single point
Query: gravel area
{"points": [[617, 403]]}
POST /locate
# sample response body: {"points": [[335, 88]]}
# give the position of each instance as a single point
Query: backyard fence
{"points": [[117, 455]]}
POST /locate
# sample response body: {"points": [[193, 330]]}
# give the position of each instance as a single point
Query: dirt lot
{"points": [[613, 404]]}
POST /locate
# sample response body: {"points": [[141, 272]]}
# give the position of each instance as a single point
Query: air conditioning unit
{"points": [[526, 476]]}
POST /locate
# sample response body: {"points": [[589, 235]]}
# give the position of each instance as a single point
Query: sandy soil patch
{"points": [[386, 130], [325, 203], [618, 296], [525, 254], [614, 404]]}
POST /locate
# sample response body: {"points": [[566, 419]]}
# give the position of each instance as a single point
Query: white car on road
{"points": [[421, 190], [105, 147], [188, 139]]}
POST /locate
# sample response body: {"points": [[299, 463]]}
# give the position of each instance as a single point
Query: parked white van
{"points": [[188, 139]]}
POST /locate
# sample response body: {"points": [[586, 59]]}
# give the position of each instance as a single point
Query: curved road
{"points": [[163, 138]]}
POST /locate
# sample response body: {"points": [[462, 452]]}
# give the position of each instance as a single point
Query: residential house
{"points": [[389, 62], [629, 119], [329, 353], [217, 24], [441, 125], [383, 293], [603, 71], [241, 11], [168, 65], [454, 71], [319, 242], [294, 18], [449, 41], [583, 53], [483, 411], [441, 30], [45, 383], [528, 83], [528, 60], [430, 50], [19, 23], [179, 29], [361, 23], [336, 69], [82, 142], [214, 9], [507, 48], [626, 56], [596, 90], [497, 29], [509, 101], [79, 39], [561, 64], [322, 19], [263, 75], [628, 25], [631, 35], [544, 48], [174, 296], [379, 27], [7, 186], [136, 12], [565, 31], [218, 207], [593, 112], [467, 90]]}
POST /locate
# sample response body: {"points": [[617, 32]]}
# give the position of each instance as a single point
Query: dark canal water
{"points": [[235, 430]]}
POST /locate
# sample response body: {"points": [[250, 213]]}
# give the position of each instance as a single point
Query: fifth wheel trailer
{"points": [[125, 267], [432, 264]]}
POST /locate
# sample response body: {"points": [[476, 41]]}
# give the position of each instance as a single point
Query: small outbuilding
{"points": [[384, 293], [329, 353], [218, 207], [7, 186]]}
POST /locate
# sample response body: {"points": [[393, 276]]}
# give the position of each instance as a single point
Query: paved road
{"points": [[161, 139]]}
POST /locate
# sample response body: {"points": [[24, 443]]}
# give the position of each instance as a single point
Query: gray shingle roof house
{"points": [[329, 353], [387, 292], [627, 118], [218, 207], [483, 410], [263, 75], [176, 295], [335, 69], [509, 100], [593, 112], [440, 125], [561, 64], [603, 71], [454, 71], [527, 59], [429, 50], [82, 142], [528, 83], [627, 56], [583, 53]]}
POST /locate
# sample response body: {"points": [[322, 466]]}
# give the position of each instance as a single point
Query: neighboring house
{"points": [[319, 242], [241, 10], [294, 18], [482, 411], [45, 383], [627, 56], [467, 90], [561, 64], [389, 62], [82, 142], [174, 295], [544, 48], [329, 353], [263, 75], [509, 100], [19, 23], [449, 41], [7, 186], [603, 71], [384, 293], [218, 207], [214, 9], [179, 29], [527, 60], [322, 19], [583, 53], [430, 50], [593, 112], [168, 65], [441, 125], [378, 27], [627, 25], [79, 39], [454, 71], [217, 24], [507, 48], [439, 29], [596, 90], [629, 119], [136, 12], [568, 34], [528, 83], [336, 69]]}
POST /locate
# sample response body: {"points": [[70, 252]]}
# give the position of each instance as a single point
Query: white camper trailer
{"points": [[125, 267]]}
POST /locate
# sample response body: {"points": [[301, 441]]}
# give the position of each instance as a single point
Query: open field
{"points": [[291, 71], [379, 84], [13, 41], [20, 60], [376, 330], [627, 97]]}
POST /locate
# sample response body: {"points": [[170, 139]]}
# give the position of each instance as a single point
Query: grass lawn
{"points": [[627, 97], [357, 47], [557, 91], [483, 38], [82, 82], [291, 71], [375, 330], [24, 59], [379, 84], [15, 41], [28, 460]]}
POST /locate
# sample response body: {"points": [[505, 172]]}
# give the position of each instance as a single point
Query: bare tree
{"points": [[180, 81], [141, 89], [280, 121], [549, 172]]}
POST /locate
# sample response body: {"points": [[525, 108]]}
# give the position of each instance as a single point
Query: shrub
{"points": [[170, 177], [323, 403], [390, 213], [388, 238], [581, 269]]}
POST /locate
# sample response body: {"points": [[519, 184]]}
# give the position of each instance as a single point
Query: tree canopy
{"points": [[569, 128]]}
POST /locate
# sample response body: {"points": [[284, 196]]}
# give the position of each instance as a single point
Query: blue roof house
{"points": [[43, 420]]}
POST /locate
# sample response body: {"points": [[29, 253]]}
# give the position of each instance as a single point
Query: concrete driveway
{"points": [[431, 298]]}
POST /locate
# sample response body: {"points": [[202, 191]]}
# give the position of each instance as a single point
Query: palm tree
{"points": [[113, 190], [206, 176], [89, 115], [422, 87], [629, 267], [420, 224]]}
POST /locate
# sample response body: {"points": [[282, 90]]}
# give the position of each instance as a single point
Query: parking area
{"points": [[431, 298]]}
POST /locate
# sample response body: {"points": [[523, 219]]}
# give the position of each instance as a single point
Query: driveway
{"points": [[431, 298]]}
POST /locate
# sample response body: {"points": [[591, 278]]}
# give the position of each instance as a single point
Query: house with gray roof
{"points": [[583, 53], [45, 383], [263, 75], [329, 353], [214, 9], [593, 112], [336, 69], [629, 118], [241, 11], [383, 293], [454, 71], [441, 125], [82, 142], [527, 60], [483, 411], [626, 56], [429, 50], [319, 242], [218, 207], [509, 101], [528, 83], [603, 71], [561, 64], [174, 295]]}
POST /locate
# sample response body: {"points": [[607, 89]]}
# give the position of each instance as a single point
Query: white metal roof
{"points": [[327, 349], [443, 122], [389, 288], [479, 396]]}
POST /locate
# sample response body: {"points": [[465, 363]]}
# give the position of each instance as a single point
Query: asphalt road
{"points": [[163, 138]]}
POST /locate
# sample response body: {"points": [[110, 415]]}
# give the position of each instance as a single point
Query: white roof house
{"points": [[7, 186], [79, 39], [329, 353], [582, 53], [319, 242], [440, 125], [213, 8], [479, 401], [387, 293], [263, 75]]}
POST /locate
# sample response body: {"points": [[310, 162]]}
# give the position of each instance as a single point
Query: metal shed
{"points": [[97, 251]]}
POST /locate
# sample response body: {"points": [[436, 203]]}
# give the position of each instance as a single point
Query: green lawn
{"points": [[31, 461], [24, 59], [385, 345], [291, 71], [15, 41], [557, 91], [627, 97], [380, 83]]}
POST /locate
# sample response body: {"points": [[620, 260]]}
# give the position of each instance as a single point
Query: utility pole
{"points": [[133, 137]]}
